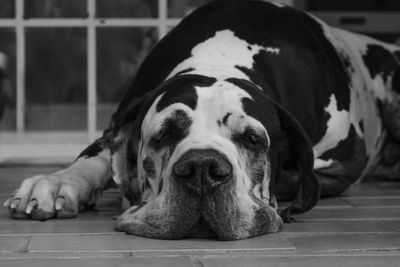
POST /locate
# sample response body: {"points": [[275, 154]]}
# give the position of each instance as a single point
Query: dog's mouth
{"points": [[204, 230], [218, 216]]}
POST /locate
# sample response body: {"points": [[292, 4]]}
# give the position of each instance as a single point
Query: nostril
{"points": [[218, 172], [184, 171]]}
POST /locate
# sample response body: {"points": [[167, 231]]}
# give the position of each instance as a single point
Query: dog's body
{"points": [[242, 102]]}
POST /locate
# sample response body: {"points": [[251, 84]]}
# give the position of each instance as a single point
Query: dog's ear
{"points": [[124, 134], [300, 145], [126, 113]]}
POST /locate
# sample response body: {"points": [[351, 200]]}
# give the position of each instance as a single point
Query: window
{"points": [[67, 64]]}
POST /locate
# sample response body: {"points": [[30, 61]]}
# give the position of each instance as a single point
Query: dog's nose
{"points": [[202, 170]]}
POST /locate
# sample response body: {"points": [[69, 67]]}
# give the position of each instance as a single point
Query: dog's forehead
{"points": [[220, 98], [222, 103]]}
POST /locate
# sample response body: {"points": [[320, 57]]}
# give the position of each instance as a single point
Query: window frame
{"points": [[22, 142]]}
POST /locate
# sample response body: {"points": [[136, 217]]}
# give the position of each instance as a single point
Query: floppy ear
{"points": [[124, 147], [309, 189]]}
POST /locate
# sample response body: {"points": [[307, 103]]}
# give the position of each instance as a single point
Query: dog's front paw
{"points": [[44, 197]]}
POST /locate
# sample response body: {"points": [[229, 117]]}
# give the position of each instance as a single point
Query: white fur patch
{"points": [[320, 164], [364, 90], [338, 128], [221, 54]]}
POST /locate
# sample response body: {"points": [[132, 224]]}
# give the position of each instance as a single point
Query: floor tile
{"points": [[339, 227], [134, 243], [137, 262], [360, 214], [13, 243], [307, 261], [394, 223], [346, 242], [325, 203], [56, 226], [373, 189], [374, 202]]}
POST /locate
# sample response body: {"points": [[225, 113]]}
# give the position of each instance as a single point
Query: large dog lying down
{"points": [[242, 103]]}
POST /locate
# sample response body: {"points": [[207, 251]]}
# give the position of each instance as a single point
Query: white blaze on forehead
{"points": [[221, 54]]}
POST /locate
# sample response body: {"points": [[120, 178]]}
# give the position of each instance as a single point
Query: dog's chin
{"points": [[176, 217], [203, 230], [219, 215], [230, 219]]}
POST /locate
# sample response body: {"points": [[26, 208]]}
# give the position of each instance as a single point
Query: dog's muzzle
{"points": [[202, 170], [202, 200]]}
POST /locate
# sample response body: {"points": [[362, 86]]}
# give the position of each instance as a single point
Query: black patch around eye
{"points": [[174, 129], [250, 139]]}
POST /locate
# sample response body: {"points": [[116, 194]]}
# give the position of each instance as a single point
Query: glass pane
{"points": [[56, 79], [355, 5], [181, 8], [7, 9], [55, 8], [7, 80], [127, 8], [119, 54]]}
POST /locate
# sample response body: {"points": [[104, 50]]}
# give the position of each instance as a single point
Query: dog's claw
{"points": [[33, 204], [59, 203], [7, 202], [15, 203]]}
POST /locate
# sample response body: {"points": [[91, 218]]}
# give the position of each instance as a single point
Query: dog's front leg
{"points": [[64, 193]]}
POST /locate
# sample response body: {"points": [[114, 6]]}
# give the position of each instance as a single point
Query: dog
{"points": [[243, 103]]}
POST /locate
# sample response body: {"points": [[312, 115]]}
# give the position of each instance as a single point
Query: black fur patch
{"points": [[249, 139], [91, 151], [149, 168], [396, 80], [380, 61], [160, 186], [183, 91], [173, 130], [225, 118], [361, 124]]}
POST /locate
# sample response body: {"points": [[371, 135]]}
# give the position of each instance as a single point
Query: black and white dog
{"points": [[241, 103]]}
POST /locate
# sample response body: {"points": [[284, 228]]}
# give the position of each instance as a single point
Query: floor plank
{"points": [[137, 262], [339, 227], [339, 242], [307, 261], [78, 243]]}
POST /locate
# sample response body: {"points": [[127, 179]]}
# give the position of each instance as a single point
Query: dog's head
{"points": [[207, 152]]}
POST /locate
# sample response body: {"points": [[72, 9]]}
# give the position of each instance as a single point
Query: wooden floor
{"points": [[360, 228]]}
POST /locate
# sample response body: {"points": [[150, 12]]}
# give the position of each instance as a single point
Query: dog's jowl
{"points": [[242, 104]]}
